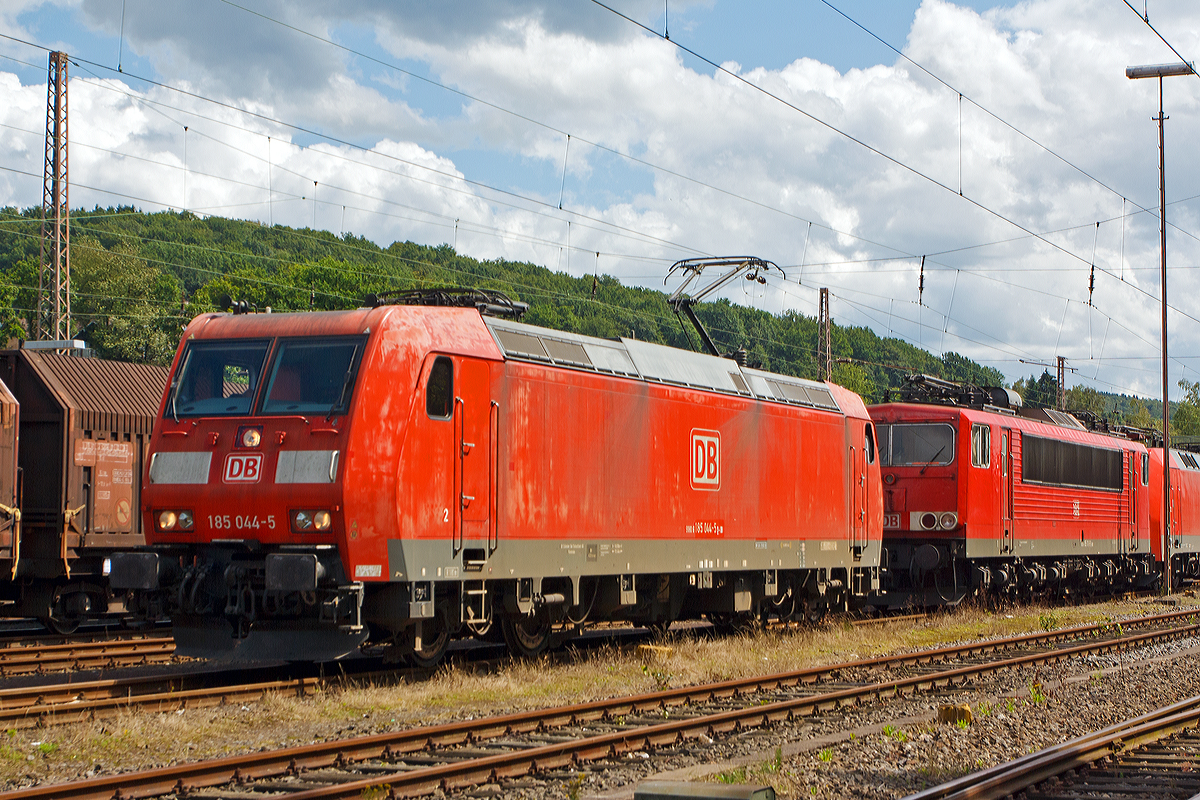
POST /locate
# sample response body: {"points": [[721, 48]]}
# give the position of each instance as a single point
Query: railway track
{"points": [[74, 701], [121, 651], [418, 761], [1152, 756]]}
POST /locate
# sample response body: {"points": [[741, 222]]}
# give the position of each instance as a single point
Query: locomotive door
{"points": [[1006, 490], [1133, 531], [1176, 505], [473, 421], [858, 474]]}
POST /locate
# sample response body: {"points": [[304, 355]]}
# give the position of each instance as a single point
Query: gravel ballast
{"points": [[889, 750]]}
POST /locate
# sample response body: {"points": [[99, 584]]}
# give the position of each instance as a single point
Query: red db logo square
{"points": [[243, 467], [706, 459]]}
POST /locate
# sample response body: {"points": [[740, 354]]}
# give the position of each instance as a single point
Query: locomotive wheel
{"points": [[527, 638], [61, 625], [435, 638]]}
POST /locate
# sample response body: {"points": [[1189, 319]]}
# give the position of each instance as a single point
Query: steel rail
{"points": [[68, 703], [24, 660], [183, 777], [1007, 779], [76, 701]]}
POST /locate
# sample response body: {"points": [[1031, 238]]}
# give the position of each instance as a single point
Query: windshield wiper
{"points": [[930, 461], [346, 381]]}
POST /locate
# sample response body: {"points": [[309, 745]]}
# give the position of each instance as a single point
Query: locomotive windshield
{"points": [[916, 445], [217, 378], [311, 376]]}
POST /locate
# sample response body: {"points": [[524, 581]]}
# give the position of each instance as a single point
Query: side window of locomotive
{"points": [[870, 443], [920, 445], [439, 390], [313, 376], [1145, 469], [217, 378], [981, 445], [1004, 454]]}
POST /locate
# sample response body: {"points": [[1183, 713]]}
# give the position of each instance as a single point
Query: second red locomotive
{"points": [[405, 473], [985, 497]]}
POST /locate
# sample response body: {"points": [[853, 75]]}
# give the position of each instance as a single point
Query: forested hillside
{"points": [[137, 278]]}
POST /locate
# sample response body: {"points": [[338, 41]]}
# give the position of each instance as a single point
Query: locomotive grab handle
{"points": [[494, 466], [459, 474]]}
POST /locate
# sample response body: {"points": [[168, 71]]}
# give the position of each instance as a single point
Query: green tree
{"points": [[1085, 398], [130, 309], [1186, 419], [1138, 415], [855, 378]]}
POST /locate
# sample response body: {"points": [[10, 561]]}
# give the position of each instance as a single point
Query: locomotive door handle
{"points": [[466, 500], [467, 447]]}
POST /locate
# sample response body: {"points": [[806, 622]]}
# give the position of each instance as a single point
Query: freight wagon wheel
{"points": [[527, 638]]}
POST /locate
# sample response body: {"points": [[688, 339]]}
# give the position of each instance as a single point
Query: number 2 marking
{"points": [[445, 515]]}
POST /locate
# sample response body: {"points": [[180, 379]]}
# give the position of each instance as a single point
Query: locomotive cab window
{"points": [[981, 445], [217, 378], [916, 445], [869, 436], [1145, 469], [439, 390], [313, 376]]}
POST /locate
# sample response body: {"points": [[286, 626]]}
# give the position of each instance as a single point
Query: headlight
{"points": [[929, 520], [166, 520], [185, 521], [251, 437], [948, 520], [308, 521]]}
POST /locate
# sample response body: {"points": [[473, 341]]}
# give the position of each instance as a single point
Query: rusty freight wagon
{"points": [[70, 481]]}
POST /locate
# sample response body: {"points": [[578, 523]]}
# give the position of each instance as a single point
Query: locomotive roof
{"points": [[654, 362], [105, 395], [1059, 424], [521, 342]]}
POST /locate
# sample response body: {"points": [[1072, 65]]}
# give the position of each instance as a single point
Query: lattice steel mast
{"points": [[54, 283]]}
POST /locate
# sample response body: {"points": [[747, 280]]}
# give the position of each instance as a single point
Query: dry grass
{"points": [[140, 740]]}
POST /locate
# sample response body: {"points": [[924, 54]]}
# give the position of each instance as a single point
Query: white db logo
{"points": [[243, 467], [706, 459]]}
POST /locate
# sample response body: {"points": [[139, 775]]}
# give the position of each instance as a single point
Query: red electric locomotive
{"points": [[983, 496], [1185, 512], [429, 467]]}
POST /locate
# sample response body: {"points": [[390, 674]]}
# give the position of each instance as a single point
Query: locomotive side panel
{"points": [[595, 465], [1053, 513]]}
